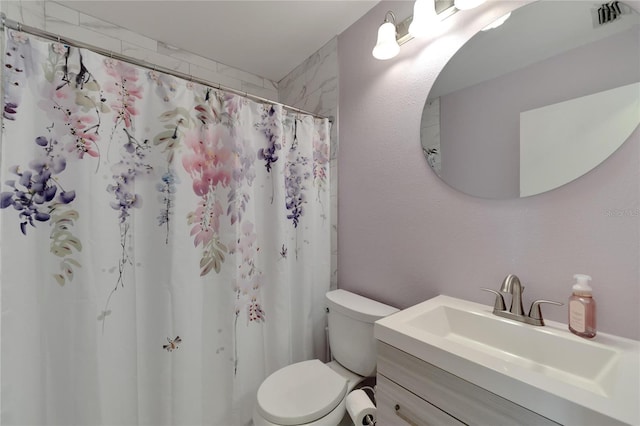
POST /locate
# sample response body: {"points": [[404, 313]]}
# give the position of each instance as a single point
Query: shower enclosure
{"points": [[164, 245]]}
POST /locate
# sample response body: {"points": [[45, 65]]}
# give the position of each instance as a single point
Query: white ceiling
{"points": [[267, 38]]}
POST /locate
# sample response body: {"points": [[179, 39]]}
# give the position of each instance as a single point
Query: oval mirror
{"points": [[536, 102]]}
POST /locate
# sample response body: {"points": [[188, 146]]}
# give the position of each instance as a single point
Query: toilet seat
{"points": [[300, 393]]}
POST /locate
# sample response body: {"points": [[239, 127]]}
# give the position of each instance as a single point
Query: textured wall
{"points": [[61, 20], [405, 236]]}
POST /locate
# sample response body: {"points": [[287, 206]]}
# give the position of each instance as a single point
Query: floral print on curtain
{"points": [[99, 155]]}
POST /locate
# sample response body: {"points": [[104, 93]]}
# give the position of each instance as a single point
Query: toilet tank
{"points": [[351, 340]]}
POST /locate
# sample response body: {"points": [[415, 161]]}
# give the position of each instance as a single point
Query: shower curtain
{"points": [[164, 246]]}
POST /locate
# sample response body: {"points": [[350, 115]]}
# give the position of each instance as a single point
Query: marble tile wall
{"points": [[430, 134], [68, 23], [313, 87]]}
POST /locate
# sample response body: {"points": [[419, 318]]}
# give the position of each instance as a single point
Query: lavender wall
{"points": [[480, 124], [405, 236]]}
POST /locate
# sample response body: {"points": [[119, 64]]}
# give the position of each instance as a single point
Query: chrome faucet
{"points": [[511, 284]]}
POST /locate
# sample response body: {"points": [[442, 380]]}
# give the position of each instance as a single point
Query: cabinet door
{"points": [[465, 401], [399, 407]]}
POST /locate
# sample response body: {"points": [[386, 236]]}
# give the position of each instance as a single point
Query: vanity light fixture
{"points": [[427, 14], [387, 46]]}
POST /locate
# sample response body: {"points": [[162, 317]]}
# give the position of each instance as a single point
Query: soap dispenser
{"points": [[582, 308]]}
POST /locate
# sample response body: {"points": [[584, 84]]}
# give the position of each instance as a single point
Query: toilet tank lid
{"points": [[358, 307]]}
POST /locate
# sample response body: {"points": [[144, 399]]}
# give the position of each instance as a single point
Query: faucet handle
{"points": [[498, 305], [536, 313]]}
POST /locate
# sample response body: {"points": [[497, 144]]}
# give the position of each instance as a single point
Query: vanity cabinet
{"points": [[413, 392]]}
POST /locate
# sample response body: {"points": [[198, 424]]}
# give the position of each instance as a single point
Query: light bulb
{"points": [[424, 18], [387, 46]]}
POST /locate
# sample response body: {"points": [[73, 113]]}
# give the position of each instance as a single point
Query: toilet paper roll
{"points": [[359, 406]]}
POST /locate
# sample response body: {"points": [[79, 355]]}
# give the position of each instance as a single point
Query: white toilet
{"points": [[311, 393]]}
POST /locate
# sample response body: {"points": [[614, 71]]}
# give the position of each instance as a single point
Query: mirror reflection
{"points": [[535, 102]]}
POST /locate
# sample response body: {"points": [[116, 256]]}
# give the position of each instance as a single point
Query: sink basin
{"points": [[575, 361], [530, 365]]}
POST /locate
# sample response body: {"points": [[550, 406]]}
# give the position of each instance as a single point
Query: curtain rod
{"points": [[15, 25]]}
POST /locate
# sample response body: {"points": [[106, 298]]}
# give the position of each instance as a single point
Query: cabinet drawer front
{"points": [[399, 407], [465, 401]]}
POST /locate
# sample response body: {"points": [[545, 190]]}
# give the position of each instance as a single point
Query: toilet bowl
{"points": [[311, 393]]}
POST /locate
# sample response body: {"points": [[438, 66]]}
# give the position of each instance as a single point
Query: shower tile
{"points": [[292, 91], [269, 84], [115, 31], [322, 101], [260, 91], [318, 72], [25, 12], [324, 94], [335, 146], [322, 68], [313, 103], [57, 12], [214, 77], [192, 58], [154, 58], [240, 75], [295, 73], [80, 34]]}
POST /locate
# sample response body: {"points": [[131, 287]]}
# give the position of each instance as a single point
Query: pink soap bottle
{"points": [[582, 308]]}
